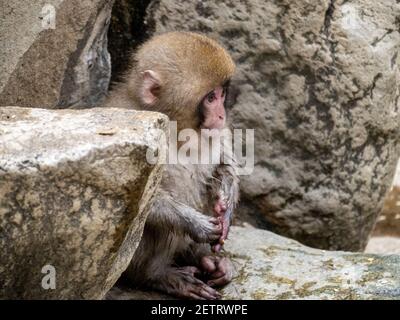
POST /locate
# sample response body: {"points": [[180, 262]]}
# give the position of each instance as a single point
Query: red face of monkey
{"points": [[212, 109]]}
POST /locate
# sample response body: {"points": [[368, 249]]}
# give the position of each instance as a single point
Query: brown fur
{"points": [[189, 66], [193, 63]]}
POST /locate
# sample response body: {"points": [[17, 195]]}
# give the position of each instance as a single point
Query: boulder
{"points": [[53, 53], [74, 188], [319, 82], [268, 266]]}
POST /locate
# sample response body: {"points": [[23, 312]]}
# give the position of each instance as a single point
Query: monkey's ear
{"points": [[150, 87]]}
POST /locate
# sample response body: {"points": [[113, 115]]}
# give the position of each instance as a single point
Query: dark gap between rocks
{"points": [[128, 29]]}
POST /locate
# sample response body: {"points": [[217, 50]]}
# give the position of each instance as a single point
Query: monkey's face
{"points": [[212, 109]]}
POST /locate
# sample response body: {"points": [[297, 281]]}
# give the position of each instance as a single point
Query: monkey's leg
{"points": [[218, 269], [215, 270], [182, 282], [153, 267]]}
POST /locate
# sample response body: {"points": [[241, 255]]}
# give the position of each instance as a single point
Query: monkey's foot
{"points": [[219, 270], [181, 282]]}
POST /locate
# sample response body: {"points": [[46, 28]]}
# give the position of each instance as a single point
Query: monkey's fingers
{"points": [[211, 237], [210, 293], [202, 292], [216, 248], [224, 267], [220, 207], [217, 274], [219, 227], [215, 221], [219, 282], [225, 230], [207, 232], [208, 264], [224, 274]]}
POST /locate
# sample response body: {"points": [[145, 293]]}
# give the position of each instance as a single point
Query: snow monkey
{"points": [[185, 76]]}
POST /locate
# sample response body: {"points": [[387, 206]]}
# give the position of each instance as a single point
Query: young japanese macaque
{"points": [[185, 76]]}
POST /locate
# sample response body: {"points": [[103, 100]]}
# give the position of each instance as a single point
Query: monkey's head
{"points": [[184, 75]]}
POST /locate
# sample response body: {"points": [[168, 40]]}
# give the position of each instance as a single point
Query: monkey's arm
{"points": [[226, 189], [226, 181], [226, 186], [171, 214]]}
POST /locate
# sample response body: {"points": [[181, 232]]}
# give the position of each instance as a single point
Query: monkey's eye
{"points": [[211, 96]]}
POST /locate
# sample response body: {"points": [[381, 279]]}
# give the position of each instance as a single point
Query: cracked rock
{"points": [[74, 187], [53, 53]]}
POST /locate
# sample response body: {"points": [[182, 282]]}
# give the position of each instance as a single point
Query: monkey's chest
{"points": [[189, 184]]}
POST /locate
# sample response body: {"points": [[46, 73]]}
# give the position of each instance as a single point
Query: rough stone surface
{"points": [[319, 82], [383, 245], [269, 266], [386, 235], [74, 186], [127, 30], [61, 67]]}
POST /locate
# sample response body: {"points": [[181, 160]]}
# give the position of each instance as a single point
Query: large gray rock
{"points": [[74, 186], [319, 82], [54, 52], [268, 266], [273, 267]]}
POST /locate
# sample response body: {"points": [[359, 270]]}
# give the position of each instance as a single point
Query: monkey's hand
{"points": [[226, 188], [221, 212], [205, 229], [219, 270], [180, 217]]}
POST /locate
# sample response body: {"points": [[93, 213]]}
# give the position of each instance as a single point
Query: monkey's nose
{"points": [[221, 117]]}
